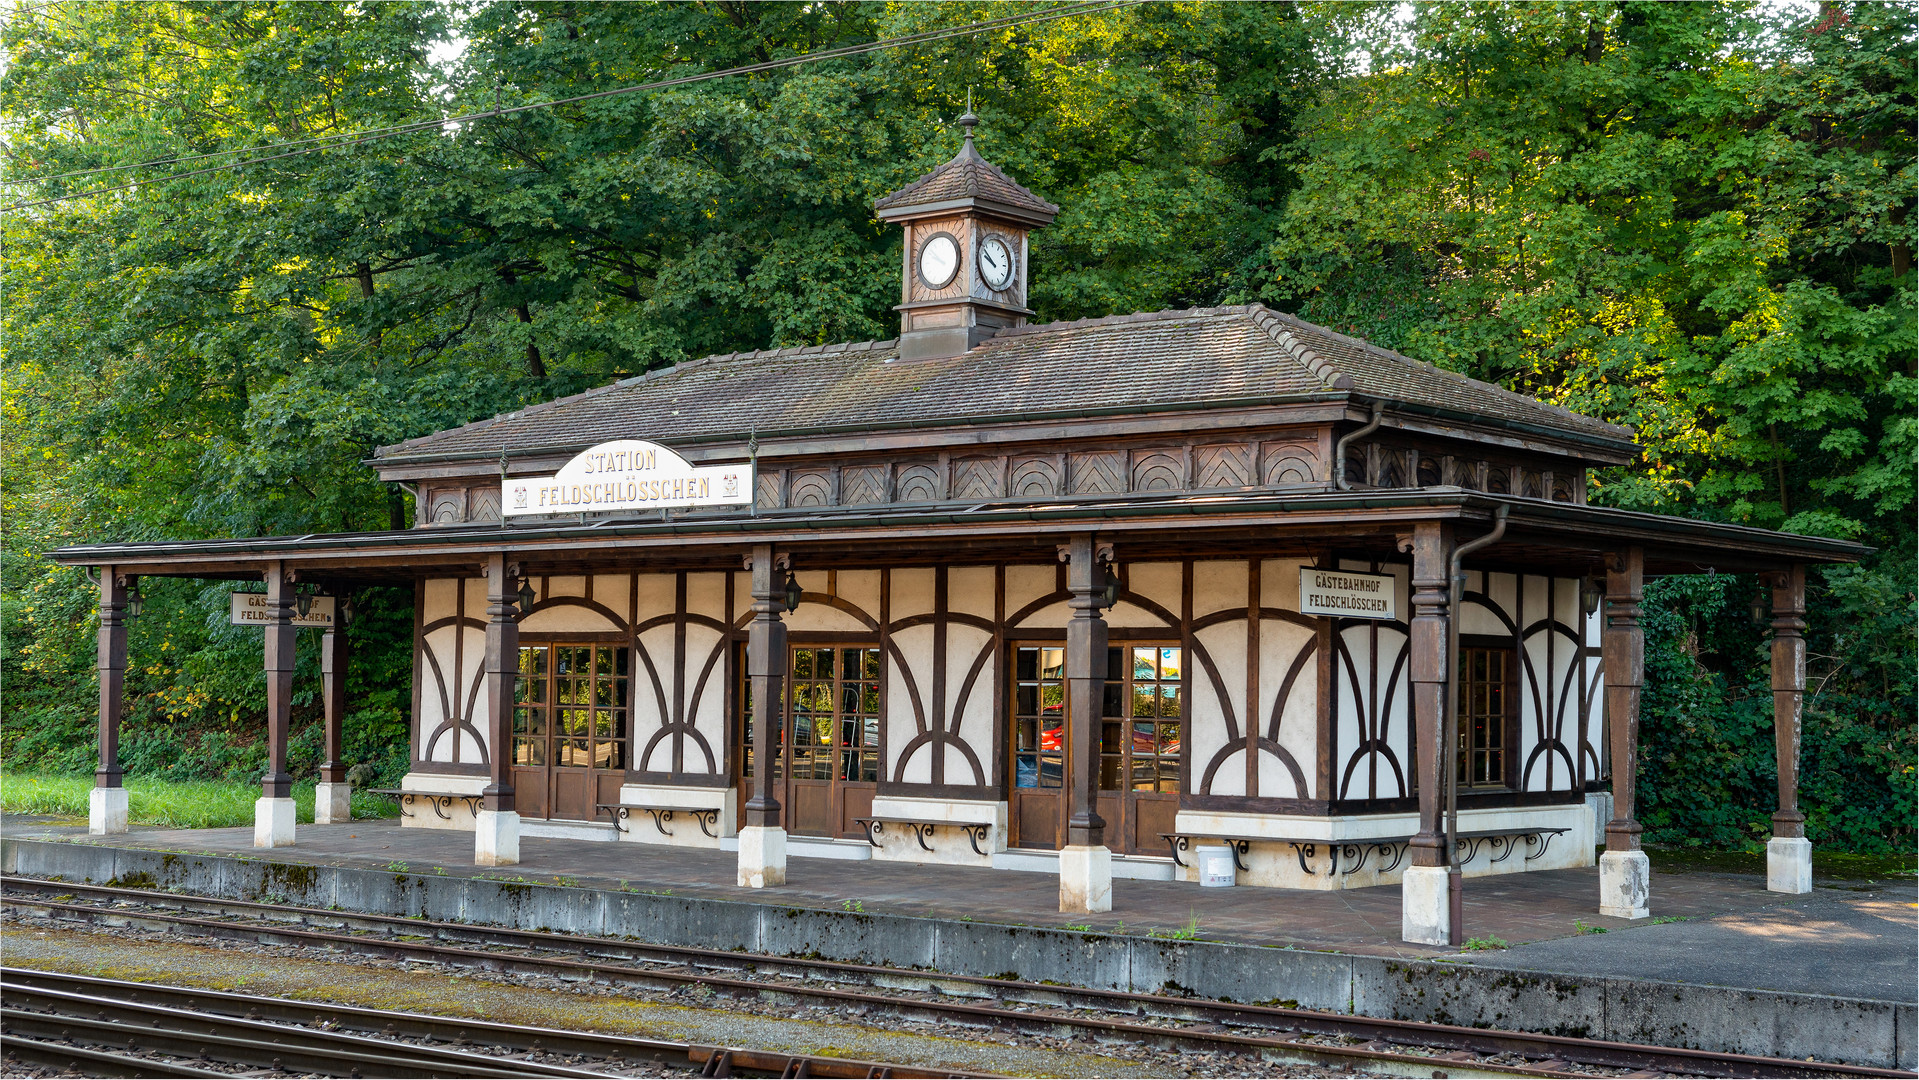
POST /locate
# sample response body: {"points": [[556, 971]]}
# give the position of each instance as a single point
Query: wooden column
{"points": [[280, 639], [766, 674], [1788, 693], [502, 668], [333, 664], [1624, 646], [1431, 544], [1085, 689], [113, 674]]}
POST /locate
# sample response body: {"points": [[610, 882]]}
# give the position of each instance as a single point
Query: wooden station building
{"points": [[1096, 598]]}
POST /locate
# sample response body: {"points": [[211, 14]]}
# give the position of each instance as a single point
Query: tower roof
{"points": [[968, 180]]}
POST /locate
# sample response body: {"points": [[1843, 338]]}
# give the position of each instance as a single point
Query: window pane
{"points": [[1052, 663], [1026, 699], [1026, 664], [870, 664], [823, 664], [1145, 702], [1169, 663], [1144, 662], [1169, 700], [870, 698]]}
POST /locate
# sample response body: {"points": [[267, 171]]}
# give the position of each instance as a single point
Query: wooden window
{"points": [[1142, 719], [570, 706], [1486, 716], [836, 714], [1140, 739], [1039, 717]]}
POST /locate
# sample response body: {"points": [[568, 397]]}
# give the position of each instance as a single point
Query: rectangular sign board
{"points": [[1348, 594], [627, 474], [250, 609]]}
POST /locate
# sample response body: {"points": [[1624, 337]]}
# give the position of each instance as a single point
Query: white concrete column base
{"points": [[1789, 864], [273, 822], [1085, 879], [496, 838], [762, 856], [1425, 911], [332, 804], [106, 811], [1625, 884]]}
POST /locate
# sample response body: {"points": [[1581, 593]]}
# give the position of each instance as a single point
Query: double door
{"points": [[829, 754], [570, 705], [1141, 726]]}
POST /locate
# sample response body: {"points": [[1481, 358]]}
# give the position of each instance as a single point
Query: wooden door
{"points": [[832, 738], [1141, 738], [827, 765], [569, 729]]}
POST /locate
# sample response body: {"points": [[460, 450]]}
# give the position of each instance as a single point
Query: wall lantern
{"points": [[793, 593], [1110, 594], [1590, 594], [135, 602], [346, 610], [526, 595], [1762, 606], [303, 602]]}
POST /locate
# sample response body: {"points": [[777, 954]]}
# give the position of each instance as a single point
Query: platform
{"points": [[1830, 974]]}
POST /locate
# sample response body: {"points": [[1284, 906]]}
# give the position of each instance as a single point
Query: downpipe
{"points": [[1339, 449], [1455, 878]]}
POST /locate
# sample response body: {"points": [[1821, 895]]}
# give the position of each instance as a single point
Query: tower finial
{"points": [[968, 122]]}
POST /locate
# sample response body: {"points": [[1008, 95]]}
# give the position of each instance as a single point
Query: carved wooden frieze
{"points": [[1034, 477], [917, 483], [862, 484], [1100, 472], [809, 487], [1159, 470], [1290, 463], [1225, 466], [977, 478]]}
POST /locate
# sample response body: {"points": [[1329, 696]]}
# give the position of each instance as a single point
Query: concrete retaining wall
{"points": [[1761, 1022]]}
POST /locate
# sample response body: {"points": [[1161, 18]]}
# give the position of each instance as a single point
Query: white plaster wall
{"points": [[916, 645], [683, 830], [1217, 586], [1275, 863], [1280, 644], [1385, 693], [969, 590], [965, 645], [1025, 584], [1158, 582], [1207, 709]]}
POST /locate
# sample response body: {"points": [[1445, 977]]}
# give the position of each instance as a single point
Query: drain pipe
{"points": [[1455, 879], [1339, 449]]}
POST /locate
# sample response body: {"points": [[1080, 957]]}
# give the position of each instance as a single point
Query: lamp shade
{"points": [[135, 602], [793, 592], [526, 596], [303, 603]]}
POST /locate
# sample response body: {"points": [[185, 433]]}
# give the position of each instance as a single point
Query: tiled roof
{"points": [[967, 176], [1127, 363]]}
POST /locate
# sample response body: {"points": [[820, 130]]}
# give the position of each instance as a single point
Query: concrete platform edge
{"points": [[1770, 1023]]}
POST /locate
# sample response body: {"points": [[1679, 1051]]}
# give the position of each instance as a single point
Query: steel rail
{"points": [[89, 1062], [1374, 1058], [188, 1005], [1374, 1030]]}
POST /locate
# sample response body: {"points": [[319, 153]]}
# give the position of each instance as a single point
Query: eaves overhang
{"points": [[1687, 545]]}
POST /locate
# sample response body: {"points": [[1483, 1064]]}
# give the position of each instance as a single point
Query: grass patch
{"points": [[1842, 865], [170, 804]]}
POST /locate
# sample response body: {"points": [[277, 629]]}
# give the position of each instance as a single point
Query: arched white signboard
{"points": [[628, 474]]}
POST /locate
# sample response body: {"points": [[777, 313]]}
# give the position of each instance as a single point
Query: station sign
{"points": [[250, 609], [1348, 594], [627, 474]]}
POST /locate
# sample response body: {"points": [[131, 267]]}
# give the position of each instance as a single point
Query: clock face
{"points": [[995, 263], [939, 261]]}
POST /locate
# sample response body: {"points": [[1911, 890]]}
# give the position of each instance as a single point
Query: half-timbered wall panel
{"points": [[1593, 704], [451, 728], [1372, 747]]}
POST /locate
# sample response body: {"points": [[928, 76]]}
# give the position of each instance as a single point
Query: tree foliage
{"points": [[1693, 218]]}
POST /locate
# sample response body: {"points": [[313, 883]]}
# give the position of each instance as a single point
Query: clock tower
{"points": [[963, 277]]}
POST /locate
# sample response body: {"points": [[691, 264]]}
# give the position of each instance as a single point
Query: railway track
{"points": [[62, 1020], [1329, 1040]]}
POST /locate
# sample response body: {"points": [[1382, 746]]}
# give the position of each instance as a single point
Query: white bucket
{"points": [[1216, 868]]}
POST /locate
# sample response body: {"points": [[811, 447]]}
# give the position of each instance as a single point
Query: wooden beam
{"points": [[766, 661], [1085, 689], [113, 673], [1788, 692], [1431, 545], [1624, 644], [502, 668], [281, 637]]}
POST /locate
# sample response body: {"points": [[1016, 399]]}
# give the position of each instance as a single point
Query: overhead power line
{"points": [[318, 143]]}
